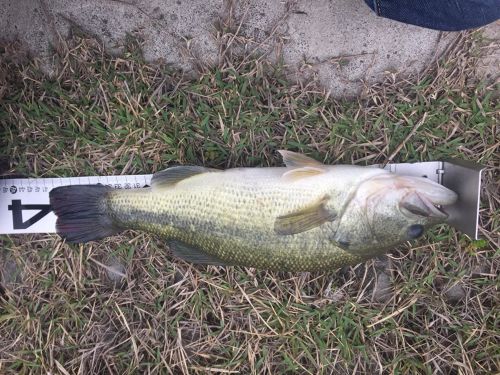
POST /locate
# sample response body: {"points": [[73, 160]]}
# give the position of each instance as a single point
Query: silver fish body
{"points": [[303, 217]]}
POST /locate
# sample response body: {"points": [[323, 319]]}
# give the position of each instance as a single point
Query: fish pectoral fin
{"points": [[193, 254], [304, 219], [173, 175], [296, 160], [300, 173]]}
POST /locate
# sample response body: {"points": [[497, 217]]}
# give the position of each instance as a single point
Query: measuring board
{"points": [[25, 206]]}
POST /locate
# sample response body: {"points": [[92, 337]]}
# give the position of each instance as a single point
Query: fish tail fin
{"points": [[81, 212]]}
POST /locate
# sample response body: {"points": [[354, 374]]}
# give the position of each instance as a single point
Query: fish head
{"points": [[388, 209]]}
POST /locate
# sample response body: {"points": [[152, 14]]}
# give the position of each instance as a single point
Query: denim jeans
{"points": [[446, 15]]}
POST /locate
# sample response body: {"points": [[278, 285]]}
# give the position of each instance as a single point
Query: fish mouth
{"points": [[419, 205], [436, 210], [427, 198], [433, 191]]}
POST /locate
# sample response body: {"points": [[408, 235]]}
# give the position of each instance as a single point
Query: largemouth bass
{"points": [[306, 216]]}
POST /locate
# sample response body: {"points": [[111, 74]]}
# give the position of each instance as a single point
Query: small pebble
{"points": [[116, 271], [455, 293], [382, 290]]}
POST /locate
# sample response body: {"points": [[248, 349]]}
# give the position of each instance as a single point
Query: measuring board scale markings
{"points": [[25, 205]]}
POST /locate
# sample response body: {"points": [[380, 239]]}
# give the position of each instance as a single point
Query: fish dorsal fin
{"points": [[296, 160], [305, 219], [299, 173], [173, 175], [193, 254]]}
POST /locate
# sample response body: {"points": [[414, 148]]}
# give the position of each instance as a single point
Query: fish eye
{"points": [[415, 231]]}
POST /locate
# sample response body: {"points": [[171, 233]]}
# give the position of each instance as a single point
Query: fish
{"points": [[304, 216]]}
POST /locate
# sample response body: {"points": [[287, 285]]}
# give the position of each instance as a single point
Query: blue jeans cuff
{"points": [[445, 15]]}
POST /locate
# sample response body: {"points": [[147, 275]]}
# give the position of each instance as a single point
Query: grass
{"points": [[125, 305]]}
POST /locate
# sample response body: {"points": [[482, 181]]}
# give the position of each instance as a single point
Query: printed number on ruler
{"points": [[25, 206]]}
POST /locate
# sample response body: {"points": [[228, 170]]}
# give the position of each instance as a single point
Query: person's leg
{"points": [[446, 15]]}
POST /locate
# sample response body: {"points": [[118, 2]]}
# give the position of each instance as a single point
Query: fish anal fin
{"points": [[173, 175], [305, 219], [296, 160], [304, 172], [193, 254]]}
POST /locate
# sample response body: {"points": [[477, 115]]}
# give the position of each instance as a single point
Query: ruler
{"points": [[25, 206]]}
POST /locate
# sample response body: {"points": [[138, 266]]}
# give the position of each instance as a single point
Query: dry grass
{"points": [[124, 305]]}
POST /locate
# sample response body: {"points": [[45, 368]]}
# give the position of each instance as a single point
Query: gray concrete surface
{"points": [[344, 42], [489, 65], [341, 41]]}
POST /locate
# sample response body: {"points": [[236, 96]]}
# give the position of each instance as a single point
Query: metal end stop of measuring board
{"points": [[461, 176]]}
